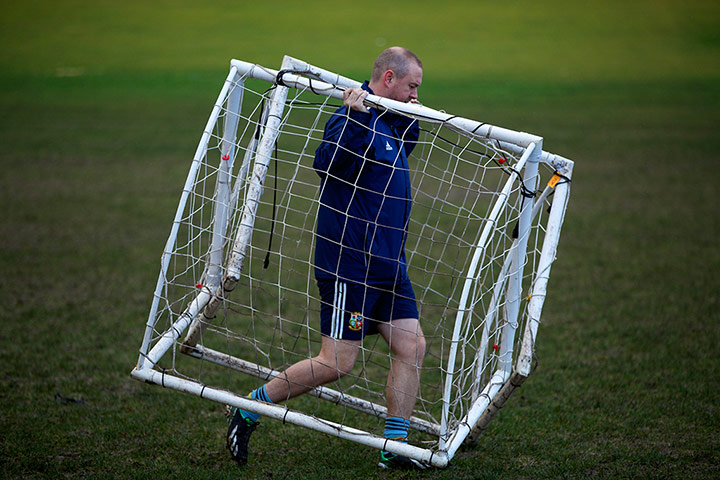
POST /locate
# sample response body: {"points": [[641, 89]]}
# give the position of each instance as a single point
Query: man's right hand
{"points": [[353, 99]]}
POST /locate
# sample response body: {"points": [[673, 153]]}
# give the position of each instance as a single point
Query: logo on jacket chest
{"points": [[388, 147]]}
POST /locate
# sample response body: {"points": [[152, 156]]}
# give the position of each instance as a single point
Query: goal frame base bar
{"points": [[324, 393], [492, 399], [437, 459]]}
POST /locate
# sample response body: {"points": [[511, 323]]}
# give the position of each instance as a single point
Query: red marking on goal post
{"points": [[199, 285], [496, 347], [501, 161], [226, 157]]}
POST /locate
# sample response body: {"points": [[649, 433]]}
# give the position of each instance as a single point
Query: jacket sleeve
{"points": [[345, 142]]}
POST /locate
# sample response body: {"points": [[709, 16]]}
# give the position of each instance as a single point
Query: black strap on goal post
{"points": [[279, 81], [306, 73], [259, 126], [272, 223]]}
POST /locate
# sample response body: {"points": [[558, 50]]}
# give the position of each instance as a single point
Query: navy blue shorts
{"points": [[352, 310]]}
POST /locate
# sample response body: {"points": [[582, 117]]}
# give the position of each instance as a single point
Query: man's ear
{"points": [[388, 77]]}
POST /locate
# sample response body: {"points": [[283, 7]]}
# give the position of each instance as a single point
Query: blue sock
{"points": [[257, 394], [396, 428]]}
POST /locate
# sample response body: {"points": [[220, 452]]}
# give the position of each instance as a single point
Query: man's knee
{"points": [[414, 349], [339, 356], [345, 366], [407, 340], [421, 345]]}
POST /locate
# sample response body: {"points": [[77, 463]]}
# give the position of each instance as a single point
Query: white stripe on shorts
{"points": [[338, 310]]}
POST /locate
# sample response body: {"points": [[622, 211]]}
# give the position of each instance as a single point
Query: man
{"points": [[360, 264]]}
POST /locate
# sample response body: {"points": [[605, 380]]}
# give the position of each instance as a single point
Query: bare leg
{"points": [[336, 358], [407, 345]]}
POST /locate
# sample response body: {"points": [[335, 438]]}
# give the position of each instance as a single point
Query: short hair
{"points": [[396, 59]]}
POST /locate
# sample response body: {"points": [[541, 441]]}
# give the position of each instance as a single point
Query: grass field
{"points": [[101, 108]]}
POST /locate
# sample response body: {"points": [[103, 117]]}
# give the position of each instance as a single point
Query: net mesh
{"points": [[271, 317]]}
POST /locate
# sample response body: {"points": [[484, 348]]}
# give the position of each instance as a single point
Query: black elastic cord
{"points": [[272, 224], [524, 191], [563, 177], [279, 77], [476, 128]]}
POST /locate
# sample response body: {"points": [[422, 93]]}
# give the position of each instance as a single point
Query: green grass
{"points": [[102, 106]]}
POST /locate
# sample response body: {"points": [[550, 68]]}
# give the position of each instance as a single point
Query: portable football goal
{"points": [[236, 301]]}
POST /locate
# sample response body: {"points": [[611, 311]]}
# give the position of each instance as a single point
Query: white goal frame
{"points": [[222, 276]]}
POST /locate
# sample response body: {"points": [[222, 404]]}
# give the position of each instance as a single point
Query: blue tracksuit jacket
{"points": [[365, 195]]}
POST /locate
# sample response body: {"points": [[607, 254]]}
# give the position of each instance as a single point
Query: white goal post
{"points": [[236, 291]]}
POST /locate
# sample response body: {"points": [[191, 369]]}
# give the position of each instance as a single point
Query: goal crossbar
{"points": [[470, 127]]}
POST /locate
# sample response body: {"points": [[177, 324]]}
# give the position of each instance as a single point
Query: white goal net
{"points": [[236, 300]]}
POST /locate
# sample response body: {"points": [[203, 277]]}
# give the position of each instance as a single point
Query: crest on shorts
{"points": [[356, 321]]}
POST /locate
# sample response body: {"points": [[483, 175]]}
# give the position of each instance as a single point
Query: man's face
{"points": [[405, 89]]}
